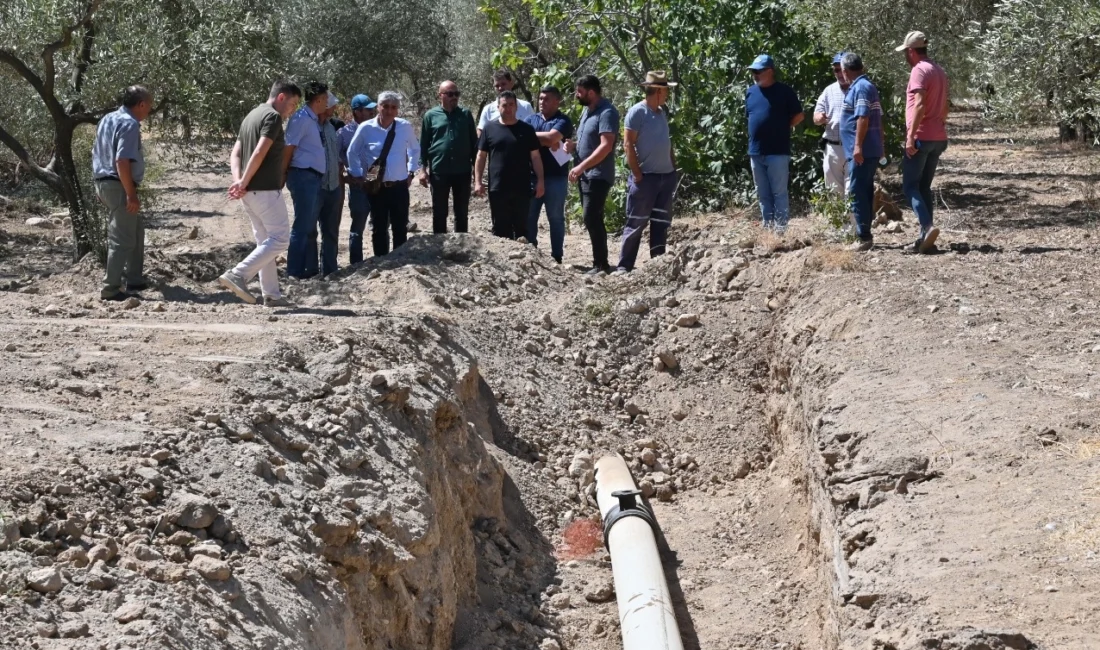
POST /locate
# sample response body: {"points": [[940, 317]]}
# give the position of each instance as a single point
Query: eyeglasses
{"points": [[451, 93]]}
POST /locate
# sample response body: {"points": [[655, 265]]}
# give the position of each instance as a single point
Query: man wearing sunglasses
{"points": [[773, 110], [448, 146], [827, 113]]}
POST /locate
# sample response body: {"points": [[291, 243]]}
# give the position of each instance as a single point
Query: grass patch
{"points": [[833, 258], [596, 310]]}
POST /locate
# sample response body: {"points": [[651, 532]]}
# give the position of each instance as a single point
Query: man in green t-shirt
{"points": [[256, 163], [448, 146]]}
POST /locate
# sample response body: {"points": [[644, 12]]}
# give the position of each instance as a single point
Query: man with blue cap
{"points": [[828, 113], [363, 108], [773, 109]]}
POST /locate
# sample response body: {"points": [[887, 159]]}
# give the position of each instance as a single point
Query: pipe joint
{"points": [[629, 506]]}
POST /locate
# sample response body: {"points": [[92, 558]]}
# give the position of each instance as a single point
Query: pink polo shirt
{"points": [[930, 78]]}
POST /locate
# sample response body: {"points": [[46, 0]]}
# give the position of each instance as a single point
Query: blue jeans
{"points": [[554, 199], [359, 206], [771, 175], [304, 186], [917, 173], [649, 201], [861, 194], [330, 209]]}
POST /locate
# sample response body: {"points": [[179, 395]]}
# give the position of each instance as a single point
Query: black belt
{"points": [[108, 178], [832, 142]]}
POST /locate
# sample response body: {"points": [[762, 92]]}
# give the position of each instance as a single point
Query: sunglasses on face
{"points": [[451, 93]]}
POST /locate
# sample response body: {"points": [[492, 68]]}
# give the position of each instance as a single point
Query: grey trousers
{"points": [[125, 239]]}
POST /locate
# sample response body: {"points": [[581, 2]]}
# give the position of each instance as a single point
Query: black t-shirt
{"points": [[509, 148]]}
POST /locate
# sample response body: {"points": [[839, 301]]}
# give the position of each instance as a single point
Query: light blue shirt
{"points": [[303, 132], [118, 137], [654, 145], [346, 134], [366, 147]]}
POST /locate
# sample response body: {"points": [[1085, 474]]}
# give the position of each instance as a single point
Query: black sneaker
{"points": [[927, 242], [137, 287], [116, 297]]}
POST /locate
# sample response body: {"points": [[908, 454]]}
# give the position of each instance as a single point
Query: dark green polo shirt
{"points": [[448, 141]]}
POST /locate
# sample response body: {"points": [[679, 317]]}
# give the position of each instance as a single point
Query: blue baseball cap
{"points": [[362, 101], [839, 56], [762, 62]]}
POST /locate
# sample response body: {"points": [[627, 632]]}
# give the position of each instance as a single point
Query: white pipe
{"points": [[646, 617]]}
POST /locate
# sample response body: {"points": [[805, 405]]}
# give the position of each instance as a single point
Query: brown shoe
{"points": [[862, 246]]}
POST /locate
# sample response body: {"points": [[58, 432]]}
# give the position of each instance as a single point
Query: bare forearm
{"points": [[862, 124], [536, 163], [126, 176], [479, 167], [235, 161]]}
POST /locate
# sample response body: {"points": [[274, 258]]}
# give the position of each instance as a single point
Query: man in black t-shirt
{"points": [[515, 154]]}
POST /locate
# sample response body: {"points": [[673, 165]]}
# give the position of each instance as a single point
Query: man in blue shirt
{"points": [[594, 168], [861, 135], [363, 108], [552, 127], [652, 183], [773, 110], [118, 166], [304, 165]]}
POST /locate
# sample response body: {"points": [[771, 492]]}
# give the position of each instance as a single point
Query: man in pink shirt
{"points": [[925, 133]]}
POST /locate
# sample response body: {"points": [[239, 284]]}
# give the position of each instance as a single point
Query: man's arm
{"points": [[254, 162], [355, 152], [607, 145], [473, 137], [632, 154], [413, 150], [919, 110], [235, 161], [288, 153], [821, 110], [426, 135], [549, 138], [126, 177], [862, 124], [540, 181], [797, 119], [479, 172]]}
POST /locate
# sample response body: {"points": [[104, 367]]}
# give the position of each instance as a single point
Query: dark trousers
{"points": [[647, 202], [304, 186], [593, 198], [861, 194], [330, 208], [359, 206], [443, 186], [389, 209], [508, 210]]}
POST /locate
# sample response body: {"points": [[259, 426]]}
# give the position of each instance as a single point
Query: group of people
{"points": [[522, 158]]}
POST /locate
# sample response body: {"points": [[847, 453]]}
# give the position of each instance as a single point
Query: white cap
{"points": [[332, 100]]}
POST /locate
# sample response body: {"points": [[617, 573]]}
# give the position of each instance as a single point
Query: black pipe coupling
{"points": [[629, 506]]}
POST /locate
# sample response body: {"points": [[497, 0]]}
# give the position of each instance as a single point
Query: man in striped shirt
{"points": [[861, 134]]}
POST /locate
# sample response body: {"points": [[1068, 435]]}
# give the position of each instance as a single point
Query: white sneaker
{"points": [[235, 283]]}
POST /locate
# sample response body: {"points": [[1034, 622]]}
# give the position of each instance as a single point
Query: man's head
{"points": [[838, 72], [588, 90], [284, 97], [448, 95], [763, 70], [330, 107], [503, 80], [389, 103], [506, 104], [363, 108], [549, 100], [657, 86], [915, 47], [852, 65], [139, 101], [316, 96]]}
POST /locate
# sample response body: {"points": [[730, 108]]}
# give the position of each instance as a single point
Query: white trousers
{"points": [[271, 227], [836, 170]]}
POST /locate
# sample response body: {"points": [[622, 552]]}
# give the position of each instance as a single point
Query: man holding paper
{"points": [[552, 128]]}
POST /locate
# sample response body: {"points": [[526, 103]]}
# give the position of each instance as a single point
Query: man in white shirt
{"points": [[503, 80], [390, 206], [828, 113]]}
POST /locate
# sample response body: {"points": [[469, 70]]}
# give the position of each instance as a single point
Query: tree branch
{"points": [[619, 51], [51, 179], [50, 49], [57, 111]]}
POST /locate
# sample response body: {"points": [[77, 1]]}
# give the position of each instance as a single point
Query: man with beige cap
{"points": [[925, 134]]}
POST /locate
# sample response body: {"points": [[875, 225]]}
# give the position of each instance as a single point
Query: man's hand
{"points": [[423, 177], [857, 154], [479, 188], [570, 146], [409, 181], [236, 190], [540, 189], [637, 174], [575, 174], [132, 203], [911, 147]]}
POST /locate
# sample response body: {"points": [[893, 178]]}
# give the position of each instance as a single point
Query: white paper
{"points": [[560, 155]]}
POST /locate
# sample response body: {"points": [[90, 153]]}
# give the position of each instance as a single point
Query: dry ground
{"points": [[884, 451]]}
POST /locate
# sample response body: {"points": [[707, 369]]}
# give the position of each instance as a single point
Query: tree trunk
{"points": [[85, 225], [1080, 131]]}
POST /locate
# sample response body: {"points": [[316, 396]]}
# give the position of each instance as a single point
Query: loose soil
{"points": [[874, 451]]}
